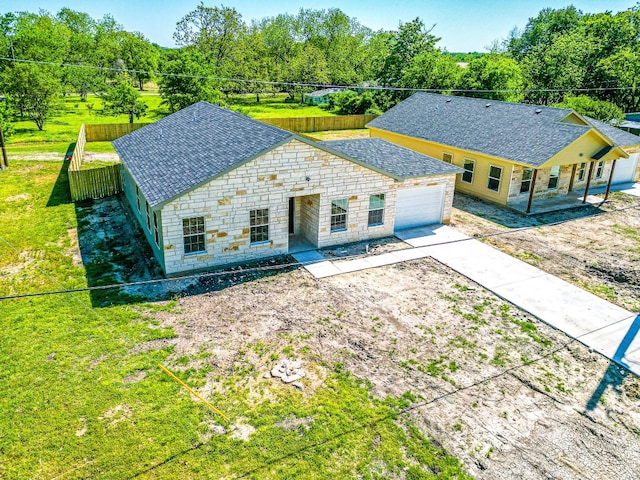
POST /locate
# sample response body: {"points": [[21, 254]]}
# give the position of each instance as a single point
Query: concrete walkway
{"points": [[601, 325]]}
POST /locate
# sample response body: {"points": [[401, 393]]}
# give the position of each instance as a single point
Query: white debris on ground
{"points": [[289, 371]]}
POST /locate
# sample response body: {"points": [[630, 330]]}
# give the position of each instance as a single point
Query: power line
{"points": [[317, 85], [281, 266]]}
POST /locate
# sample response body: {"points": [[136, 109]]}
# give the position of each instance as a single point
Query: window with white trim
{"points": [[193, 235], [554, 176], [447, 157], [525, 184], [339, 210], [259, 225], [138, 198], [468, 166], [376, 209], [148, 215], [495, 174], [155, 228], [599, 169], [581, 172]]}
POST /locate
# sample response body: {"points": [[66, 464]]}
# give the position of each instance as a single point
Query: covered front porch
{"points": [[559, 187]]}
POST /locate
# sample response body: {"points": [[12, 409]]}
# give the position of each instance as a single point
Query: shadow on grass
{"points": [[60, 193], [511, 219], [114, 250]]}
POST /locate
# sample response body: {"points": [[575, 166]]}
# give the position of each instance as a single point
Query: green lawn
{"points": [[273, 106], [71, 410]]}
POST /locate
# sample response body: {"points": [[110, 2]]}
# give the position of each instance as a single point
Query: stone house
{"points": [[212, 187], [512, 154]]}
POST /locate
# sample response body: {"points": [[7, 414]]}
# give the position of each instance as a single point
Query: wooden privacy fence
{"points": [[96, 182], [110, 131], [319, 124]]}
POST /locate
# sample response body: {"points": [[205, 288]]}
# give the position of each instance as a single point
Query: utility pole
{"points": [[5, 160]]}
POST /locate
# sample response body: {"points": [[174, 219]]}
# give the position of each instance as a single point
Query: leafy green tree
{"points": [[309, 66], [34, 90], [214, 31], [598, 109], [499, 74], [352, 103], [121, 98], [140, 57], [7, 117], [541, 30], [186, 81], [431, 69], [410, 40], [620, 74], [551, 70]]}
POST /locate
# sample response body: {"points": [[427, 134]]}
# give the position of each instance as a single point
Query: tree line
{"points": [[564, 57]]}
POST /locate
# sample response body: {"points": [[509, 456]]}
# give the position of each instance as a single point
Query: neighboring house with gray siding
{"points": [[212, 187]]}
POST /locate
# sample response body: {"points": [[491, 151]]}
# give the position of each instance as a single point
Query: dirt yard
{"points": [[508, 395]]}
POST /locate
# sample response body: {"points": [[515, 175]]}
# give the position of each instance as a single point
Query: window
{"points": [[138, 198], [467, 175], [600, 169], [193, 234], [339, 214], [554, 175], [495, 174], [447, 157], [259, 222], [525, 185], [148, 216], [581, 171], [155, 228], [376, 209]]}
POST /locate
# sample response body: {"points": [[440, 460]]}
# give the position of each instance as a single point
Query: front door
{"points": [[292, 215]]}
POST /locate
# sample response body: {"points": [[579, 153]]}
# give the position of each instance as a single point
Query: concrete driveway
{"points": [[597, 323]]}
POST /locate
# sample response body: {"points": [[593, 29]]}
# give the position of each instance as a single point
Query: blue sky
{"points": [[463, 25]]}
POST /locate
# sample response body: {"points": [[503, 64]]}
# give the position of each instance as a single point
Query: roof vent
{"points": [[539, 110], [160, 133], [488, 105], [448, 100]]}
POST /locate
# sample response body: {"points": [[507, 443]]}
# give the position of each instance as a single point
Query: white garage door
{"points": [[625, 169], [419, 206]]}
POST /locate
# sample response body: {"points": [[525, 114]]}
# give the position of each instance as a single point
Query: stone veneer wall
{"points": [[268, 182], [542, 181]]}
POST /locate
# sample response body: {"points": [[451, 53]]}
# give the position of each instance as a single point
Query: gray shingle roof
{"points": [[522, 133], [619, 137], [388, 157], [192, 146]]}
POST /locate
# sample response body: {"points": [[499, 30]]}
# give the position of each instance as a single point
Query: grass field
{"points": [[83, 397], [63, 126]]}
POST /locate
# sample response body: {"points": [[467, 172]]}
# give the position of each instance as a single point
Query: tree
{"points": [[410, 40], [140, 57], [187, 81], [309, 66], [431, 69], [214, 32], [34, 90], [541, 30], [598, 109], [121, 98], [6, 117], [495, 72], [550, 70], [352, 103]]}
